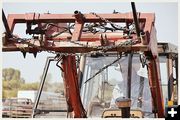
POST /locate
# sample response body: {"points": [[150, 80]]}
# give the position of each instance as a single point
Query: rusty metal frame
{"points": [[71, 18], [79, 19], [148, 43]]}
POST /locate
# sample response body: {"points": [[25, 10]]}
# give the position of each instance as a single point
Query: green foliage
{"points": [[9, 93], [12, 82], [11, 74], [30, 86], [6, 85]]}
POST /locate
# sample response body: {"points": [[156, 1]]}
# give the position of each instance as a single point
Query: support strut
{"points": [[49, 59], [72, 91], [6, 25], [155, 87], [136, 21]]}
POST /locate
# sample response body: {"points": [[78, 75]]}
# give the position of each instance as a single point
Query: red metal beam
{"points": [[90, 36], [72, 87], [154, 73], [78, 26], [69, 47], [66, 18], [155, 87]]}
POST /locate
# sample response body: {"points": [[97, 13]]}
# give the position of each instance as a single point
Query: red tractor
{"points": [[91, 36]]}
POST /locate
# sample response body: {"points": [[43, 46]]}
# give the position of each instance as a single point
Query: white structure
{"points": [[31, 94]]}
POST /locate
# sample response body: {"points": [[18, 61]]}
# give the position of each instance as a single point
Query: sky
{"points": [[31, 68]]}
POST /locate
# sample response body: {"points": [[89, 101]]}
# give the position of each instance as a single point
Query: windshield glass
{"points": [[100, 92]]}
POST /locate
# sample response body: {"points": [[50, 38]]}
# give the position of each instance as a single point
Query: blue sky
{"points": [[31, 68]]}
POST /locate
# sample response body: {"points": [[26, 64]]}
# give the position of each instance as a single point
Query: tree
{"points": [[30, 86], [10, 73], [12, 82]]}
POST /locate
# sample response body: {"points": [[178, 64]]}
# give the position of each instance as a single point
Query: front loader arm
{"points": [[154, 74], [72, 91]]}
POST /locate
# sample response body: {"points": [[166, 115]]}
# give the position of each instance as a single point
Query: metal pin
{"points": [[24, 54], [35, 54]]}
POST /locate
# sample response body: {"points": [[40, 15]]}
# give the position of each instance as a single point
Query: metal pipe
{"points": [[48, 60], [141, 88], [79, 16], [90, 36], [176, 68], [79, 23], [130, 56], [170, 77], [76, 12], [136, 21], [81, 70], [52, 110], [103, 85], [85, 87], [6, 24]]}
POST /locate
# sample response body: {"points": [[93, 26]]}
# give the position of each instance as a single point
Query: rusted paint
{"points": [[69, 65], [66, 18], [155, 87], [72, 87]]}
